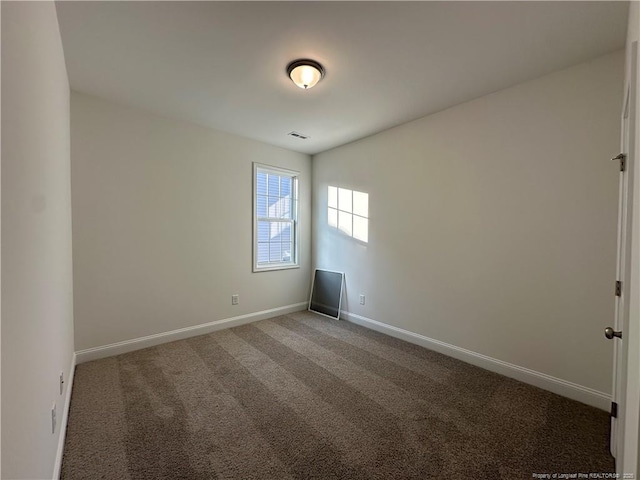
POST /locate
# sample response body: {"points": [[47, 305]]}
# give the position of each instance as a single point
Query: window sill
{"points": [[277, 266]]}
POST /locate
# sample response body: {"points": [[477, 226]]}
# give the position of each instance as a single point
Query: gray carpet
{"points": [[304, 397]]}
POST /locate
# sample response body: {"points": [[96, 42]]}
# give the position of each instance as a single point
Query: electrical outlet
{"points": [[54, 419], [61, 382], [235, 299], [362, 299]]}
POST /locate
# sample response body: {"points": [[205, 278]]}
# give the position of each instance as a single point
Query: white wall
{"points": [[37, 302], [492, 224], [162, 224]]}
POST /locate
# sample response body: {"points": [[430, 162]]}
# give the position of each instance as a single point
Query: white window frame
{"points": [[294, 263]]}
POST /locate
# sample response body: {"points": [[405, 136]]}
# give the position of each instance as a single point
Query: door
{"points": [[623, 271]]}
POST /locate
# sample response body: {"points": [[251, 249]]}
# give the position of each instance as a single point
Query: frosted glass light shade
{"points": [[305, 73]]}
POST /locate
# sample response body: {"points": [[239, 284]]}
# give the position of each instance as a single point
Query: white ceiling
{"points": [[222, 64]]}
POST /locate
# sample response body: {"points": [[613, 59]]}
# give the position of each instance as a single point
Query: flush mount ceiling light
{"points": [[305, 73]]}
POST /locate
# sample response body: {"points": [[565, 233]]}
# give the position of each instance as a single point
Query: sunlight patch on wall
{"points": [[348, 211]]}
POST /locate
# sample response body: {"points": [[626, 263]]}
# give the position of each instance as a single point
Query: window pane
{"points": [[285, 208], [261, 183], [285, 186], [332, 217], [282, 229], [332, 197], [275, 252], [360, 228], [274, 231], [345, 222], [286, 252], [263, 252], [261, 203], [361, 204], [274, 207], [274, 184], [344, 200], [263, 231], [285, 234], [279, 231]]}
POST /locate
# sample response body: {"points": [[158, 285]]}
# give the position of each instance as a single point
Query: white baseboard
{"points": [[182, 333], [547, 382], [62, 429]]}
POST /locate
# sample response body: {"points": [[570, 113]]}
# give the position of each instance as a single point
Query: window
{"points": [[348, 211], [275, 218]]}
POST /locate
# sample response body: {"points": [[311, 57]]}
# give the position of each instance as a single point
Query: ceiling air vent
{"points": [[298, 135]]}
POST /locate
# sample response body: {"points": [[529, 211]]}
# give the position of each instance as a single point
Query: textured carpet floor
{"points": [[304, 397]]}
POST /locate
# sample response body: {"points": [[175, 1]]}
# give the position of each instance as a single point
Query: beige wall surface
{"points": [[37, 301], [162, 224], [492, 225]]}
